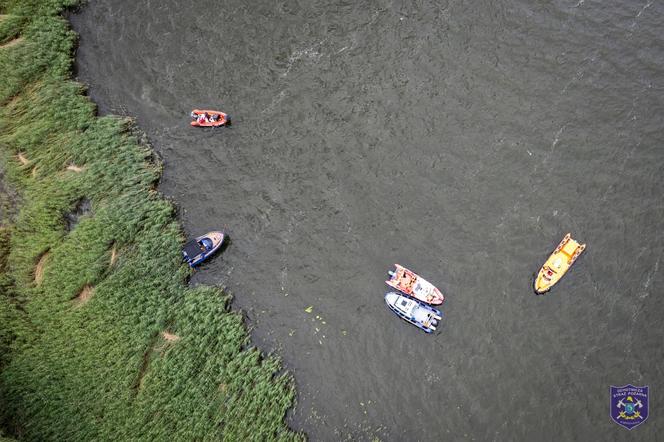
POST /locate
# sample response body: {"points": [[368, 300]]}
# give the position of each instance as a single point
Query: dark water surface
{"points": [[461, 139]]}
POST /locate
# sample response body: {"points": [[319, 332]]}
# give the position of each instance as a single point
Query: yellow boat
{"points": [[558, 264]]}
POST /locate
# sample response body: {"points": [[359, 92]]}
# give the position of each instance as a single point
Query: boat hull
{"points": [[224, 119], [212, 242], [558, 264], [411, 284], [415, 312]]}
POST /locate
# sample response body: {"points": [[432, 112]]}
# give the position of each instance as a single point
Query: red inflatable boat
{"points": [[412, 284], [209, 118]]}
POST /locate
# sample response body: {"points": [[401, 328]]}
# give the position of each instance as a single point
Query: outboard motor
{"points": [[391, 273]]}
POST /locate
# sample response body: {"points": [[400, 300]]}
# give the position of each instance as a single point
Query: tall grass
{"points": [[101, 368]]}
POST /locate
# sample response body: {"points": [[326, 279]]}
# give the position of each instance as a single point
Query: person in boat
{"points": [[214, 118], [202, 118]]}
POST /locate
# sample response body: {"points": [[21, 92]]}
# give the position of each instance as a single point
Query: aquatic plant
{"points": [[100, 337]]}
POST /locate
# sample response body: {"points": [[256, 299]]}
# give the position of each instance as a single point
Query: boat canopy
{"points": [[192, 249], [406, 305]]}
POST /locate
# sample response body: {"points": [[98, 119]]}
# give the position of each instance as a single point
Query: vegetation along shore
{"points": [[100, 337]]}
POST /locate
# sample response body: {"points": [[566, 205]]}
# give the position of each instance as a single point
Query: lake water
{"points": [[460, 139]]}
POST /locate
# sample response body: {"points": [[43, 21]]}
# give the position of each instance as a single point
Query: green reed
{"points": [[100, 367]]}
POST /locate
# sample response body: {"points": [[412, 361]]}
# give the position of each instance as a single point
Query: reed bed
{"points": [[102, 369]]}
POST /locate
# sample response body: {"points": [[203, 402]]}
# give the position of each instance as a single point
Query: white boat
{"points": [[414, 311]]}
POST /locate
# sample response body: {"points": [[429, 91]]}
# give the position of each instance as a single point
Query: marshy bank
{"points": [[100, 336]]}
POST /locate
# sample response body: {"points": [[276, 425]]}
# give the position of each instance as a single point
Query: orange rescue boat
{"points": [[411, 284], [209, 118], [558, 264]]}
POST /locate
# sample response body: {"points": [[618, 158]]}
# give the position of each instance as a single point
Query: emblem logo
{"points": [[629, 405]]}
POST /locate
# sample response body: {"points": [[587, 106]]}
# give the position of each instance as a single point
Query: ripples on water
{"points": [[461, 139]]}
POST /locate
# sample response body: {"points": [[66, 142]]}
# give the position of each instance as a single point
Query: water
{"points": [[461, 139]]}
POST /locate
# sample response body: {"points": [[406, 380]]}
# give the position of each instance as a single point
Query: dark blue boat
{"points": [[416, 312], [198, 250]]}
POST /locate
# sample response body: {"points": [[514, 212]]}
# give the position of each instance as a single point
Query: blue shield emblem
{"points": [[629, 405]]}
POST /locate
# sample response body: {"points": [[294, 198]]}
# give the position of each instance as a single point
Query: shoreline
{"points": [[108, 311], [411, 147]]}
